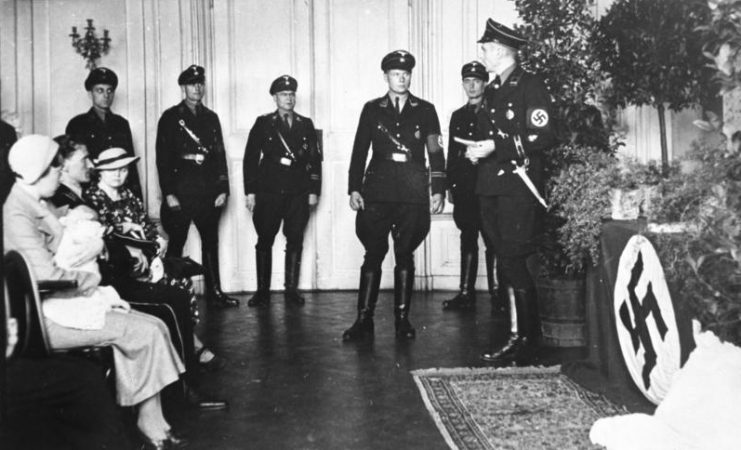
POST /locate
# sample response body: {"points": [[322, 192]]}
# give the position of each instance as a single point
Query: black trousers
{"points": [[271, 209], [408, 224], [60, 402], [467, 218], [512, 224], [197, 209]]}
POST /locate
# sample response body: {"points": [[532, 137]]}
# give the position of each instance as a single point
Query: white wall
{"points": [[333, 48]]}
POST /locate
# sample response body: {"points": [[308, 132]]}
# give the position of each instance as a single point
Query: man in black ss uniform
{"points": [[99, 128], [282, 169], [392, 195], [516, 127], [191, 162], [462, 180]]}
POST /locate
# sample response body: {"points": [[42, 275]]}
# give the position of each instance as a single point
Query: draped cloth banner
{"points": [[511, 408]]}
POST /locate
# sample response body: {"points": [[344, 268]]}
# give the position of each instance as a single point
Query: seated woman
{"points": [[164, 299], [144, 357]]}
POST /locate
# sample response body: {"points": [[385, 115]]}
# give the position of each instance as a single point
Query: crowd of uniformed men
{"points": [[494, 149]]}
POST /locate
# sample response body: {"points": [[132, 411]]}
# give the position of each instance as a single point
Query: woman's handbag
{"points": [[184, 267]]}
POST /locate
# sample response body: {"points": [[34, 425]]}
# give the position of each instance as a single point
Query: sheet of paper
{"points": [[463, 141]]}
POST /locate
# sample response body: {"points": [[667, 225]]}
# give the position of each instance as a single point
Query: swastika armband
{"points": [[538, 118]]}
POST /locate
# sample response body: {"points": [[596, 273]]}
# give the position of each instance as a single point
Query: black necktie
{"points": [[398, 110], [286, 122], [497, 82]]}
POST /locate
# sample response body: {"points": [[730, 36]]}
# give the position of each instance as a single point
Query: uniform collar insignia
{"points": [[515, 76], [383, 102]]}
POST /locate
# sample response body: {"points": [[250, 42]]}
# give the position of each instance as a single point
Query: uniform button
{"points": [[398, 135], [397, 124], [490, 133], [471, 123]]}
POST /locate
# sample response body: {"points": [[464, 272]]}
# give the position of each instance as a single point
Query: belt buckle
{"points": [[399, 157], [286, 161], [199, 159]]}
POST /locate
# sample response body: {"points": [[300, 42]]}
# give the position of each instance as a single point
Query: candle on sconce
{"points": [[105, 34], [74, 30]]}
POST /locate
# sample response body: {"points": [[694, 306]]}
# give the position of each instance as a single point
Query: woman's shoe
{"points": [[214, 364], [153, 444], [175, 440]]}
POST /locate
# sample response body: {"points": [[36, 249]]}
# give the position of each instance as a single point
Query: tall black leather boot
{"points": [[491, 278], [528, 325], [367, 296], [526, 333], [214, 294], [292, 270], [500, 302], [403, 285], [264, 264], [466, 298]]}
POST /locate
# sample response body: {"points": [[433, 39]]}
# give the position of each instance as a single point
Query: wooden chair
{"points": [[23, 299]]}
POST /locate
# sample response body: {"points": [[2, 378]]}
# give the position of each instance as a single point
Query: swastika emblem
{"points": [[645, 321], [539, 118]]}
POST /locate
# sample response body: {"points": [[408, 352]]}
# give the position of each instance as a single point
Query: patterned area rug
{"points": [[511, 408]]}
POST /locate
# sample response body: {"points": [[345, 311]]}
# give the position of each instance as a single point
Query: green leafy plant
{"points": [[580, 195], [723, 41], [652, 50], [704, 262]]}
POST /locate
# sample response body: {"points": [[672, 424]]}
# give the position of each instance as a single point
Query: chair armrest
{"points": [[45, 286]]}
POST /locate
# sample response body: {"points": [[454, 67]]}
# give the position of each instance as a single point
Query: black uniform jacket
{"points": [[269, 167], [520, 107], [179, 175], [461, 172], [388, 180], [99, 135]]}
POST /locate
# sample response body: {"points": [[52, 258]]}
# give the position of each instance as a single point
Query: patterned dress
{"points": [[129, 208]]}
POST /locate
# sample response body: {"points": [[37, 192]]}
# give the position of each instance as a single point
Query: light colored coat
{"points": [[30, 228]]}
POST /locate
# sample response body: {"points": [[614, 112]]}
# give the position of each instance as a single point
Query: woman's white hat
{"points": [[31, 155], [113, 158]]}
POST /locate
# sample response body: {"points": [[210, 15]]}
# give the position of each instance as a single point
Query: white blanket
{"points": [[702, 409]]}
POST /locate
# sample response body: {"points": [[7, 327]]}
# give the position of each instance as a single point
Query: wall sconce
{"points": [[89, 46]]}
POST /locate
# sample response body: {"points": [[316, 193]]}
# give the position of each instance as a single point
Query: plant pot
{"points": [[562, 313]]}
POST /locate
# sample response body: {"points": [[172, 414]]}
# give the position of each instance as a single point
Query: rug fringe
{"points": [[433, 412], [478, 370]]}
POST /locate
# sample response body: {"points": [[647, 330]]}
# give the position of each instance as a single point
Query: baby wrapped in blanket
{"points": [[81, 243]]}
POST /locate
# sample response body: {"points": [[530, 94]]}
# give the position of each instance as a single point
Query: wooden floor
{"points": [[293, 384]]}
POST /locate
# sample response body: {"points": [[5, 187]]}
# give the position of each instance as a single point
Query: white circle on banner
{"points": [[645, 321]]}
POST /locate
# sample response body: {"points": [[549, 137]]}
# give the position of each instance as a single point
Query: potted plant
{"points": [[652, 51], [579, 196]]}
